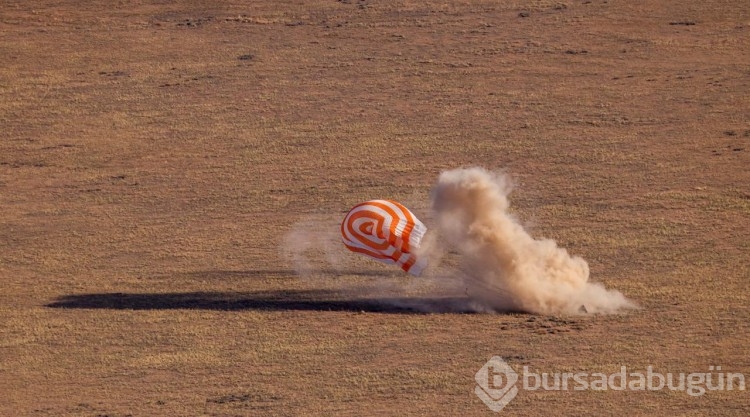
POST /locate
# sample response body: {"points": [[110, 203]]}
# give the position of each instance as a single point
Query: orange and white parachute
{"points": [[387, 231]]}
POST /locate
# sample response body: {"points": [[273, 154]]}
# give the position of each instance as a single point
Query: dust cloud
{"points": [[480, 258], [501, 265]]}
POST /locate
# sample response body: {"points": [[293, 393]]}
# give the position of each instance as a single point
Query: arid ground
{"points": [[156, 155]]}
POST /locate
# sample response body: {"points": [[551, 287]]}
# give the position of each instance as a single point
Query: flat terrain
{"points": [[172, 174]]}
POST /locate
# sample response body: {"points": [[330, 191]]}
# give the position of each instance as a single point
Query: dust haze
{"points": [[502, 266], [480, 258]]}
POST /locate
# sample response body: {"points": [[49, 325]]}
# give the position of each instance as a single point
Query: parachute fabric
{"points": [[386, 231]]}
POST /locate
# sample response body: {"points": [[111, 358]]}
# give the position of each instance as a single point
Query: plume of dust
{"points": [[502, 266]]}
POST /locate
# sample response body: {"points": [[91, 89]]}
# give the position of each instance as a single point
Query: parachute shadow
{"points": [[310, 300], [286, 273]]}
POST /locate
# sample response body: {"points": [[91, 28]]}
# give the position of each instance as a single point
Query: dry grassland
{"points": [[154, 154]]}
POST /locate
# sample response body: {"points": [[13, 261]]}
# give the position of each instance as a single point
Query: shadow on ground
{"points": [[286, 273], [309, 300]]}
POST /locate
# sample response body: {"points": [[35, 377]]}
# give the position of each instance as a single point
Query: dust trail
{"points": [[312, 247], [502, 266]]}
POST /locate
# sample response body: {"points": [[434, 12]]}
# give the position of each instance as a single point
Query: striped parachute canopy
{"points": [[386, 231]]}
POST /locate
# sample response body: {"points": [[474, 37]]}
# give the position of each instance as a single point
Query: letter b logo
{"points": [[496, 383]]}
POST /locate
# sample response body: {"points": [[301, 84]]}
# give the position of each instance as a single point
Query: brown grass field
{"points": [[155, 154]]}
